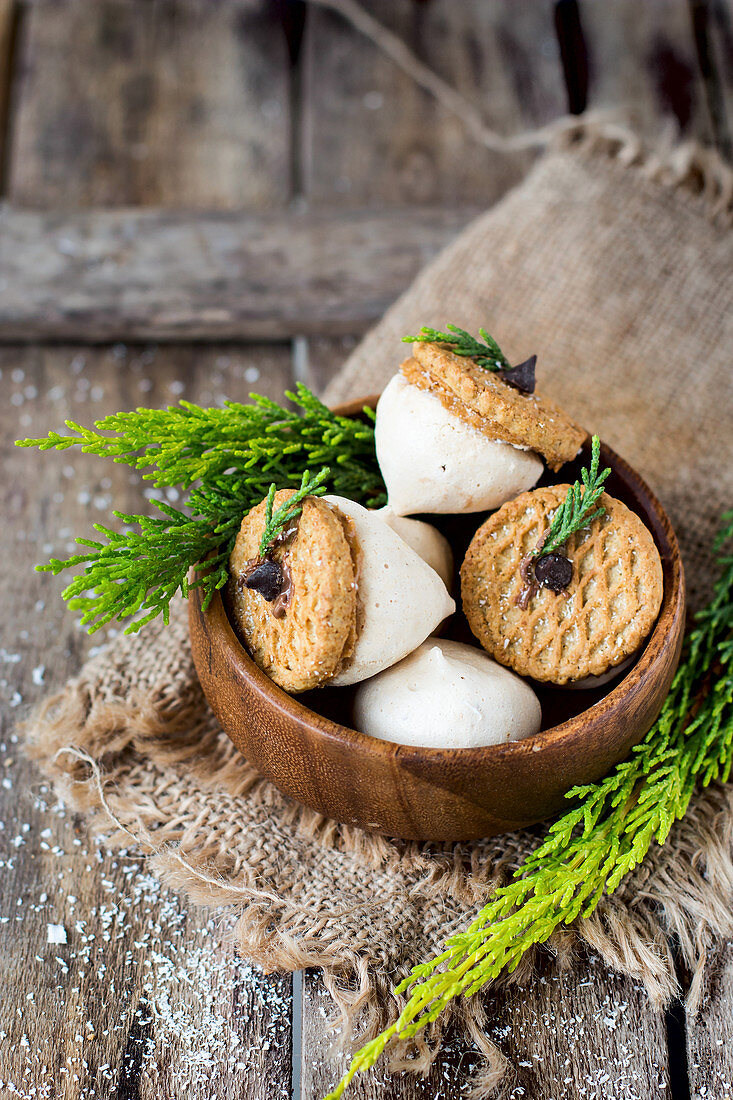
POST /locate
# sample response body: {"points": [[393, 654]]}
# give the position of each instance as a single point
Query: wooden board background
{"points": [[205, 177]]}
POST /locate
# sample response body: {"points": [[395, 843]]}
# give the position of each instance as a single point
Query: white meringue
{"points": [[447, 695], [425, 540], [432, 461], [401, 600]]}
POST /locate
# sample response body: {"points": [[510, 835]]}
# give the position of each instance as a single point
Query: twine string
{"points": [[448, 96], [143, 840]]}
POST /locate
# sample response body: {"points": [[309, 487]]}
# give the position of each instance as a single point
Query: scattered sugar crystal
{"points": [[56, 933]]}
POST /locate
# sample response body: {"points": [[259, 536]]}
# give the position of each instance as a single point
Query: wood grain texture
{"points": [[8, 18], [643, 63], [710, 1033], [181, 102], [371, 134], [305, 744], [565, 1036], [157, 275], [323, 1065], [589, 1033], [145, 996], [317, 359]]}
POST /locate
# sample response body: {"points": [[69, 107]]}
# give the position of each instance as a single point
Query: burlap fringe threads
{"points": [[636, 931], [669, 905]]}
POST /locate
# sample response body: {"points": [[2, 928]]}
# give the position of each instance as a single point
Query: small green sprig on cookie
{"points": [[579, 509], [604, 834], [223, 461], [487, 355], [291, 509]]}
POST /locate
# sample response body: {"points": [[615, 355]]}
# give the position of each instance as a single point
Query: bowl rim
{"points": [[673, 599]]}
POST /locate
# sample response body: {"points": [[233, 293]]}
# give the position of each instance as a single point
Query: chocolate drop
{"points": [[522, 376], [266, 578], [554, 572]]}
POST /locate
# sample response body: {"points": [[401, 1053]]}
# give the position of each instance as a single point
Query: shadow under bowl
{"points": [[304, 745]]}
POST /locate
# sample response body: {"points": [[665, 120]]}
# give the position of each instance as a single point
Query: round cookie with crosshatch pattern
{"points": [[306, 645], [499, 411], [599, 620]]}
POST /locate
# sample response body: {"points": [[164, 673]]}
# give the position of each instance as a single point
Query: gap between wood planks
{"points": [[676, 1031], [10, 15], [297, 1040], [297, 183]]}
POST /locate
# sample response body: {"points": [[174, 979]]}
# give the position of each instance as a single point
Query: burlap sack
{"points": [[616, 269]]}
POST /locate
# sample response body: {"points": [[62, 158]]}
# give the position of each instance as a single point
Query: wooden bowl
{"points": [[304, 745]]}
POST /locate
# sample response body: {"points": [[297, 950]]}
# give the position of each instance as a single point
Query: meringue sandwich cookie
{"points": [[593, 624], [453, 437], [400, 599], [355, 598], [433, 461], [424, 539], [447, 695]]}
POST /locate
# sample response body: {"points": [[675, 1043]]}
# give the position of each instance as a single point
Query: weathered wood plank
{"points": [[590, 1034], [8, 14], [322, 1066], [642, 62], [156, 275], [710, 1033], [372, 134], [177, 102], [317, 359], [145, 999]]}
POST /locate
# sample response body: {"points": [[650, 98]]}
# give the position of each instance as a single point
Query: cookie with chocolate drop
{"points": [[300, 635], [556, 631], [498, 410]]}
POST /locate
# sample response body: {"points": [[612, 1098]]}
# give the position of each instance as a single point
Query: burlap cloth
{"points": [[617, 269]]}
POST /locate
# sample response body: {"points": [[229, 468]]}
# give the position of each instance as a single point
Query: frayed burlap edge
{"points": [[693, 170], [663, 919], [667, 913]]}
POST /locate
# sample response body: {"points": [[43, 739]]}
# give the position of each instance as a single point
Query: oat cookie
{"points": [[602, 616], [305, 647], [498, 410]]}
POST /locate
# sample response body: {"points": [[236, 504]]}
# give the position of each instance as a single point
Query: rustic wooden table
{"points": [[203, 199]]}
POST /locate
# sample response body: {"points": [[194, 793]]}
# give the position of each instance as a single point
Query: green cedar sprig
{"points": [[578, 508], [606, 833], [262, 442], [291, 508], [224, 460], [460, 342]]}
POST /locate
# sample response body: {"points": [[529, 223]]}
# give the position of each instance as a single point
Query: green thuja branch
{"points": [[224, 460], [607, 831], [578, 509], [488, 355], [261, 442], [291, 509]]}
